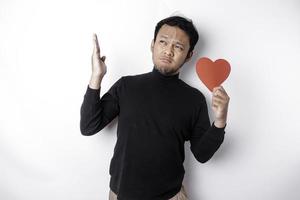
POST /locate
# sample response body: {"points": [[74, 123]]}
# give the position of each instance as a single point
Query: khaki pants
{"points": [[181, 195]]}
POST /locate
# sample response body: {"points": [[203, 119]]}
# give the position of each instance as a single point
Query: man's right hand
{"points": [[98, 65]]}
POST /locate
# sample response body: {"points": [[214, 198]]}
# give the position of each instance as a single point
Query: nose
{"points": [[169, 50]]}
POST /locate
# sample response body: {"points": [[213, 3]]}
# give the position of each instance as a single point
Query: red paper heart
{"points": [[212, 74]]}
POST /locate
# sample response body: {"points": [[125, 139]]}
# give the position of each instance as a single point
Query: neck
{"points": [[162, 76]]}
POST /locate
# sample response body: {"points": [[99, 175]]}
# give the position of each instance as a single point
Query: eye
{"points": [[179, 47], [162, 42]]}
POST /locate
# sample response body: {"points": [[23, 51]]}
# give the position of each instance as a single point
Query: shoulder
{"points": [[134, 79], [192, 92]]}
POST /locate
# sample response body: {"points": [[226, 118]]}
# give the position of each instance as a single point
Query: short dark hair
{"points": [[184, 24]]}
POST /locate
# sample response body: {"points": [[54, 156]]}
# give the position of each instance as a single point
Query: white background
{"points": [[45, 66]]}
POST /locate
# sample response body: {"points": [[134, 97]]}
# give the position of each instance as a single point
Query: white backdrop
{"points": [[45, 66]]}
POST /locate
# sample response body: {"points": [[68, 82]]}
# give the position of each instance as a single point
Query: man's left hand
{"points": [[220, 101]]}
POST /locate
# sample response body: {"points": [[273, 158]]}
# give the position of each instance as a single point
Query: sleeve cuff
{"points": [[213, 125], [217, 131], [92, 93]]}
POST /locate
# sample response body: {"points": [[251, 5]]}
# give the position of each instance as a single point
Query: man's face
{"points": [[170, 49]]}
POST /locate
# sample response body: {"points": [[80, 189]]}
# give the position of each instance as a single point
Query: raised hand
{"points": [[98, 66], [98, 62]]}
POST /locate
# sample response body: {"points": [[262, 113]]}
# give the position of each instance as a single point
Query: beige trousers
{"points": [[181, 195]]}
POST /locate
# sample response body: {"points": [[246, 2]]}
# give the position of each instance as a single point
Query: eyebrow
{"points": [[177, 41]]}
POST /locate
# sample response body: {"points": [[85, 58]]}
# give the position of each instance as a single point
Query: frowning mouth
{"points": [[166, 60]]}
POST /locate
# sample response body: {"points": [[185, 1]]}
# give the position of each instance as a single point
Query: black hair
{"points": [[184, 24]]}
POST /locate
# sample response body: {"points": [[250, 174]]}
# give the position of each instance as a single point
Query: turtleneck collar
{"points": [[158, 74]]}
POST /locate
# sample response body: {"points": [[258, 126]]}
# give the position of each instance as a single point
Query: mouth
{"points": [[166, 60]]}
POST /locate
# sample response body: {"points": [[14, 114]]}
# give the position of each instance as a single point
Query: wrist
{"points": [[97, 76], [95, 81], [220, 123]]}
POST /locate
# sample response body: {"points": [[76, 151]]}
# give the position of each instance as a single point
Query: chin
{"points": [[167, 70]]}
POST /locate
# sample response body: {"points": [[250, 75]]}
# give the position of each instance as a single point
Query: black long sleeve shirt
{"points": [[156, 115]]}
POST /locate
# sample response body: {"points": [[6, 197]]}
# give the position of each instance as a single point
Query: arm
{"points": [[205, 138], [96, 113]]}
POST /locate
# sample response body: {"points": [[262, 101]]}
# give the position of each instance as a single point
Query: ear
{"points": [[152, 45], [189, 56]]}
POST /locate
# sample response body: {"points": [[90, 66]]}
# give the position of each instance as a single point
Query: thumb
{"points": [[103, 58]]}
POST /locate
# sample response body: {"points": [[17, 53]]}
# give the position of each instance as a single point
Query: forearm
{"points": [[97, 112], [90, 111], [204, 148]]}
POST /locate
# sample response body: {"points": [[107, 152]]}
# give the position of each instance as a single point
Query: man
{"points": [[157, 112]]}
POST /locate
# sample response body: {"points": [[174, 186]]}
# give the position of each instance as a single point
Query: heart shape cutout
{"points": [[212, 74]]}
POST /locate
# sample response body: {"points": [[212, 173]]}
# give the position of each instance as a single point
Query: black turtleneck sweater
{"points": [[156, 115]]}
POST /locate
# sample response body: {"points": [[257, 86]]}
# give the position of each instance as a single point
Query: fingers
{"points": [[96, 45], [219, 88], [218, 102], [220, 92]]}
